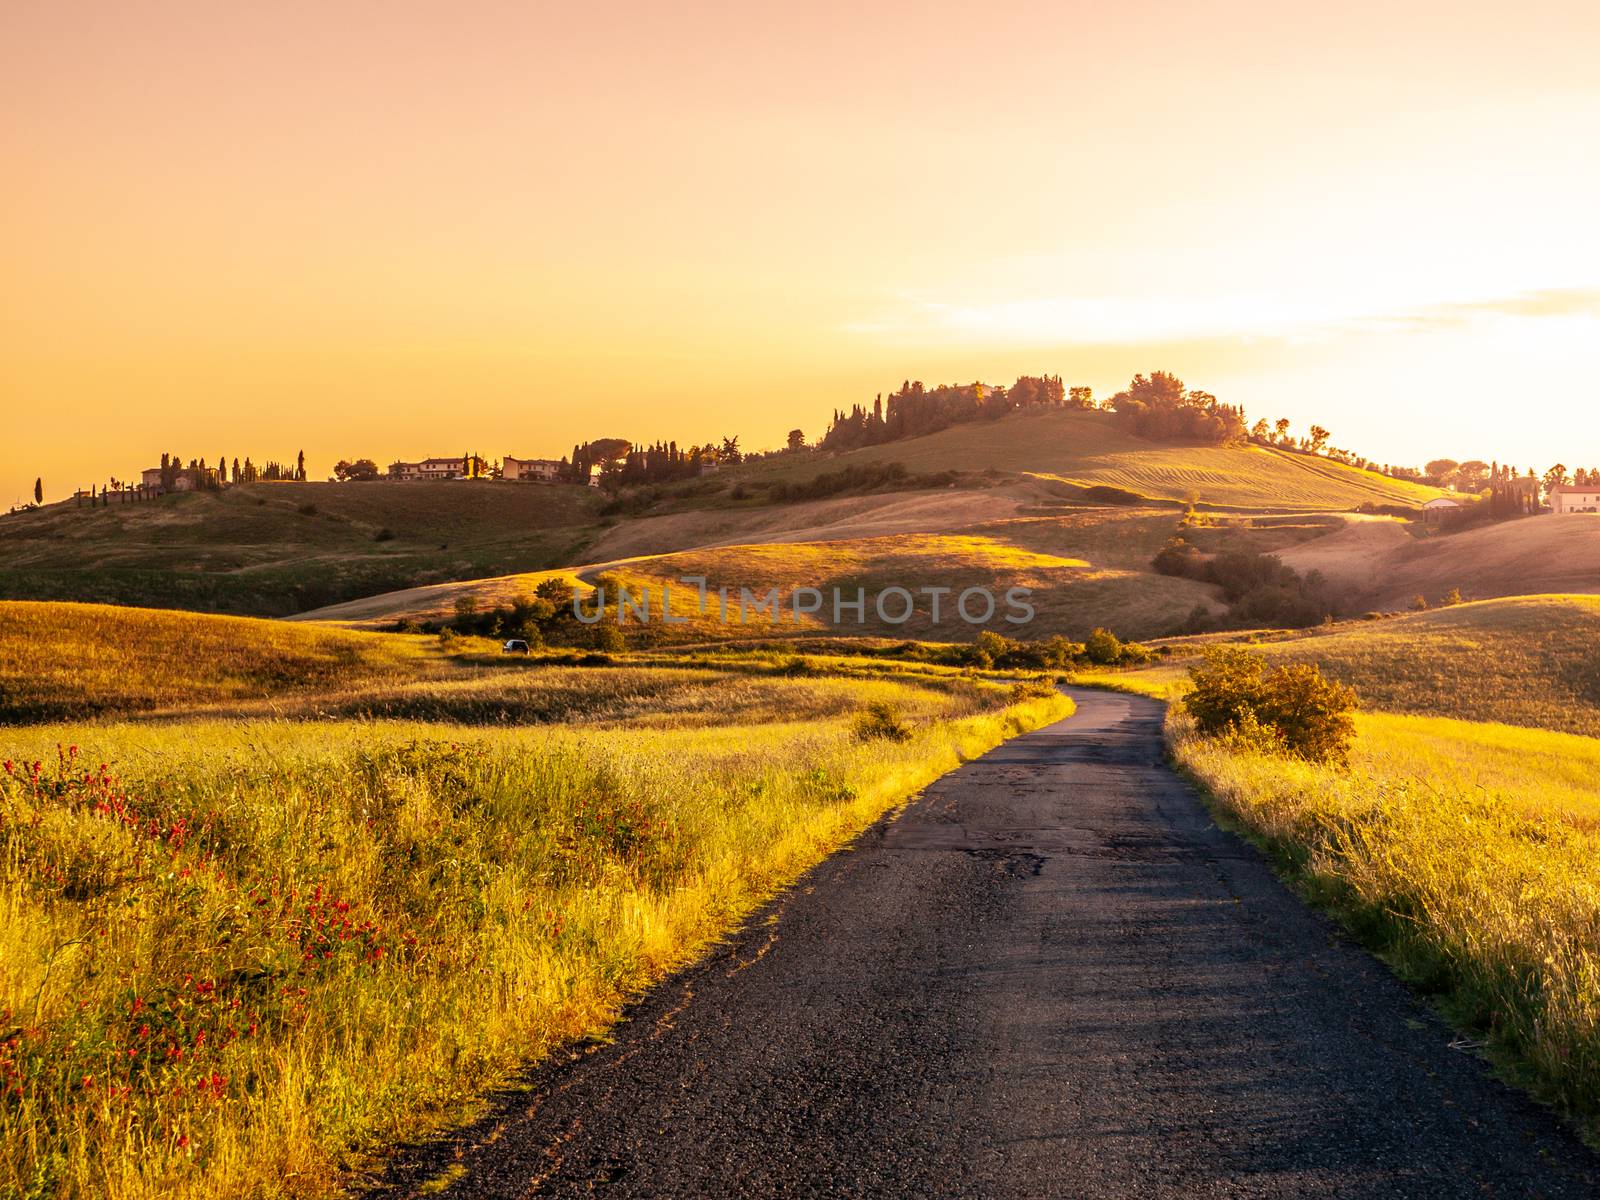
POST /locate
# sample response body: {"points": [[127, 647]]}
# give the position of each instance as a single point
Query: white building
{"points": [[429, 468], [531, 470], [1573, 498]]}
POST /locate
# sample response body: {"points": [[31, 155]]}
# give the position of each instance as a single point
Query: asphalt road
{"points": [[1050, 976]]}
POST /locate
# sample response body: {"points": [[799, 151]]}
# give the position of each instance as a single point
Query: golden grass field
{"points": [[1532, 661], [1465, 854], [238, 955], [70, 660], [1086, 567]]}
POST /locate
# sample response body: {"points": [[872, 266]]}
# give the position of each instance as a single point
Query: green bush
{"points": [[1291, 709], [1103, 648]]}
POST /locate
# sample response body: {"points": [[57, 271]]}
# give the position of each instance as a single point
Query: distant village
{"points": [[593, 463]]}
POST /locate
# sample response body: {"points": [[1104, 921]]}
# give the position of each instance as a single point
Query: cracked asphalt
{"points": [[1051, 975]]}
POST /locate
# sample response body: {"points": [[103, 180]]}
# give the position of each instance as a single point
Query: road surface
{"points": [[1050, 976]]}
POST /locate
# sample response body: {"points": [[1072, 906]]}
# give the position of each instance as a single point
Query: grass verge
{"points": [[1463, 854]]}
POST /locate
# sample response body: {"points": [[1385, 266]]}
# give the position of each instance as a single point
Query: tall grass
{"points": [[64, 661], [1464, 853], [235, 958]]}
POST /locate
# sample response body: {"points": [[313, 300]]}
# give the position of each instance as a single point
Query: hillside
{"points": [[274, 548], [1086, 567], [1530, 661], [280, 548], [1084, 449], [1384, 564], [77, 660]]}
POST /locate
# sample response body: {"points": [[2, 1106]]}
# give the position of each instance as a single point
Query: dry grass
{"points": [[1383, 564], [1532, 661], [242, 954], [1465, 854], [1085, 448], [73, 660]]}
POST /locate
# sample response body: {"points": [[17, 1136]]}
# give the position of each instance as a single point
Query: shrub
{"points": [[1103, 648], [1179, 557], [383, 535], [1291, 709], [879, 720]]}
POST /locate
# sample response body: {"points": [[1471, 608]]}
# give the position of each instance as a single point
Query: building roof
{"points": [[1442, 502], [1576, 487]]}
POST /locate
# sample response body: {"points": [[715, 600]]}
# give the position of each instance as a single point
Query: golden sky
{"points": [[399, 229]]}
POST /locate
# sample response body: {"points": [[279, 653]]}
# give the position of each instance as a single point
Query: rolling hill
{"points": [[1530, 661], [1084, 449], [1085, 566], [1383, 564], [280, 548], [269, 549]]}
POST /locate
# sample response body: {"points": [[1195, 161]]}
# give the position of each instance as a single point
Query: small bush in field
{"points": [[1291, 709], [879, 720], [1103, 648]]}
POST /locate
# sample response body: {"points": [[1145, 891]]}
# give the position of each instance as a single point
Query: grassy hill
{"points": [[1530, 661], [1085, 567], [1384, 563], [77, 660], [1084, 449], [275, 548]]}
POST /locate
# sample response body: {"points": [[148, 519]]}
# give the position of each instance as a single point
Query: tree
{"points": [[1319, 439], [362, 469], [1280, 429], [1554, 478], [1441, 472], [729, 453], [38, 490], [1080, 397], [797, 440], [1472, 475]]}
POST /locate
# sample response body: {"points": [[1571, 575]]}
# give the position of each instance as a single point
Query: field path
{"points": [[1050, 976]]}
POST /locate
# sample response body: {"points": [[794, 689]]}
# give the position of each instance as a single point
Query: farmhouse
{"points": [[1440, 508], [429, 468], [532, 470], [1575, 498]]}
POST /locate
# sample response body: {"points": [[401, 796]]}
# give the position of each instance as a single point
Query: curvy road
{"points": [[1050, 975]]}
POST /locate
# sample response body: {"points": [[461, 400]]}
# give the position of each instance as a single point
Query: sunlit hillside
{"points": [[1532, 661], [1085, 449], [1084, 566], [72, 660], [1383, 563]]}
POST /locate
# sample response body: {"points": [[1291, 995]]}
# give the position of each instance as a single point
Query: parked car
{"points": [[514, 646]]}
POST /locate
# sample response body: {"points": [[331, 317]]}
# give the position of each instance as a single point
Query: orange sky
{"points": [[387, 229]]}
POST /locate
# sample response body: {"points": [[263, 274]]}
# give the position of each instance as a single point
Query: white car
{"points": [[514, 646]]}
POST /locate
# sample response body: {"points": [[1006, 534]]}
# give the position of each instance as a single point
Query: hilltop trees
{"points": [[38, 490], [361, 470], [916, 410], [1159, 408]]}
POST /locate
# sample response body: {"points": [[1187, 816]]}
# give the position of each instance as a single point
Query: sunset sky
{"points": [[399, 229]]}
